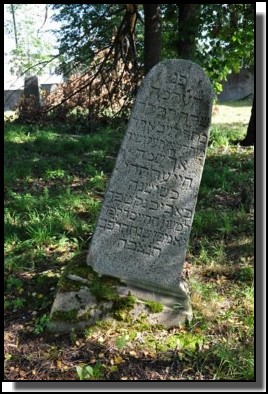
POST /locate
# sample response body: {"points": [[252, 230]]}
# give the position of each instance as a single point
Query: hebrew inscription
{"points": [[146, 218]]}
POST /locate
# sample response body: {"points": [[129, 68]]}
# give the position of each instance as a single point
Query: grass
{"points": [[232, 113], [54, 187]]}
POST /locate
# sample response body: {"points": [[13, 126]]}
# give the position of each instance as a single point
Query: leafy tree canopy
{"points": [[25, 25], [103, 44], [224, 33]]}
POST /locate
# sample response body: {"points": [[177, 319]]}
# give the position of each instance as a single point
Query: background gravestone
{"points": [[31, 90], [145, 222], [29, 109]]}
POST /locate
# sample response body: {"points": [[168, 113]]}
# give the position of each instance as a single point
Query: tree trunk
{"points": [[125, 47], [131, 18], [14, 24], [250, 137], [152, 36], [188, 23]]}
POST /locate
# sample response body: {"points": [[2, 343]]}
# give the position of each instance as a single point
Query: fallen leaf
{"points": [[133, 353], [58, 364], [118, 360], [145, 352]]}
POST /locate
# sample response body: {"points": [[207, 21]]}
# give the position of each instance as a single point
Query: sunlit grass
{"points": [[230, 113]]}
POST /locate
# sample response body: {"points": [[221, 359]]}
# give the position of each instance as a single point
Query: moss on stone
{"points": [[103, 292], [141, 324], [80, 269], [110, 280], [122, 306], [154, 307], [103, 288], [65, 284], [85, 316], [84, 271], [125, 302], [67, 316]]}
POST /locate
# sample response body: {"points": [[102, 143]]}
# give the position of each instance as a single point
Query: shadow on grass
{"points": [[39, 289]]}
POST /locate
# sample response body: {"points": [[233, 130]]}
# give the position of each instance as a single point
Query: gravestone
{"points": [[31, 90], [145, 222], [29, 109], [144, 226]]}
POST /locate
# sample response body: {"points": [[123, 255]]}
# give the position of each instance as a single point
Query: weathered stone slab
{"points": [[84, 298], [145, 222], [76, 310]]}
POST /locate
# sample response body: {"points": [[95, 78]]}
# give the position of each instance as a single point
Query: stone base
{"points": [[76, 310]]}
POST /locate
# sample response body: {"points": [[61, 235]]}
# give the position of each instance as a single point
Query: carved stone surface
{"points": [[145, 222]]}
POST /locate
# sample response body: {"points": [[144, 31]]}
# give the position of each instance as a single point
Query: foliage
{"points": [[88, 372], [28, 111], [101, 50], [41, 323], [122, 341], [99, 56], [16, 303], [81, 24], [91, 94], [226, 39], [31, 54]]}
